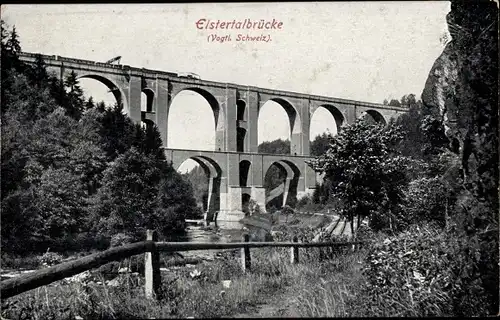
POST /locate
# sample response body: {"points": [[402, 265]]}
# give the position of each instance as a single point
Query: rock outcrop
{"points": [[462, 89]]}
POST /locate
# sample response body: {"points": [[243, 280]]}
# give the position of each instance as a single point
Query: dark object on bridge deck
{"points": [[114, 59], [245, 254]]}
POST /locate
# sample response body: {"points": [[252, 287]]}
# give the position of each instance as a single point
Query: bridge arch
{"points": [[288, 188], [112, 86], [218, 112], [147, 99], [374, 115], [214, 174], [241, 110], [291, 111], [244, 172], [294, 123], [335, 112]]}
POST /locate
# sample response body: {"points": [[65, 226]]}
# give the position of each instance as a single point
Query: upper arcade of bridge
{"points": [[128, 71]]}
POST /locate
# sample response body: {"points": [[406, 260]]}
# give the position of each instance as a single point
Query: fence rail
{"points": [[151, 249]]}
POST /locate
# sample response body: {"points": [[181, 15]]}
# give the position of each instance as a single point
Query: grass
{"points": [[204, 296]]}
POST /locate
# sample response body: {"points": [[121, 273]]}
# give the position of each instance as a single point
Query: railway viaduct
{"points": [[235, 169]]}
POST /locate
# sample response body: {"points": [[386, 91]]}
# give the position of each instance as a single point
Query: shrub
{"points": [[50, 258], [120, 239], [426, 200], [423, 272], [409, 275]]}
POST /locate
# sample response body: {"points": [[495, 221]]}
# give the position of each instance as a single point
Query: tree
{"points": [[117, 131], [395, 103], [365, 170], [89, 104], [38, 73], [125, 198], [277, 146], [320, 144], [13, 44], [74, 103], [138, 193], [199, 181], [4, 31]]}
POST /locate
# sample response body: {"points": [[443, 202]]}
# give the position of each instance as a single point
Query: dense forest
{"points": [[75, 172]]}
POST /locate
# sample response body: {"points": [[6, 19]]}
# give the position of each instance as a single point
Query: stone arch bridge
{"points": [[235, 168]]}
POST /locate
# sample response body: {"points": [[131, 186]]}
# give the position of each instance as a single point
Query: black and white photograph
{"points": [[249, 160]]}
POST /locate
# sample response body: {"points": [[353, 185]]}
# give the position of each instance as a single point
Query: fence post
{"points": [[152, 268], [245, 254], [294, 252]]}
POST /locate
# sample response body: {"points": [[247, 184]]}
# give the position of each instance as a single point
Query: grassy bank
{"points": [[200, 293]]}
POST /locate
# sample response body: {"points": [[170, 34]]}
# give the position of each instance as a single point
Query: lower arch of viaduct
{"points": [[226, 188], [236, 111]]}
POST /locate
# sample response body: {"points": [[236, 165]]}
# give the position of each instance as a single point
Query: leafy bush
{"points": [[425, 200], [120, 239], [423, 272], [50, 258]]}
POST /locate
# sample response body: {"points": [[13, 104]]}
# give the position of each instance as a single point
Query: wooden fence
{"points": [[151, 249]]}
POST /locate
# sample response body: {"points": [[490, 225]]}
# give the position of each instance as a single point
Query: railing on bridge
{"points": [[151, 249]]}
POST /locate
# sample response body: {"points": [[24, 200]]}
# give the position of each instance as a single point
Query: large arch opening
{"points": [[325, 122], [244, 171], [240, 139], [278, 122], [102, 89], [240, 110], [195, 122], [240, 125], [373, 117], [280, 183], [204, 176]]}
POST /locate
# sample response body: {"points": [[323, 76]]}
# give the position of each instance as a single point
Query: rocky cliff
{"points": [[462, 88]]}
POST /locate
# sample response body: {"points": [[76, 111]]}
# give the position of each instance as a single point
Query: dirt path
{"points": [[280, 305]]}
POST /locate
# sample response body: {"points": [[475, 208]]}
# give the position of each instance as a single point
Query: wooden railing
{"points": [[151, 248]]}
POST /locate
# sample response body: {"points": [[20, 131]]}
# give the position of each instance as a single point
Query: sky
{"points": [[367, 51]]}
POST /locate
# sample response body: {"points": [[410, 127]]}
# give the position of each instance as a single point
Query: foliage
{"points": [[425, 272], [253, 207], [72, 167], [198, 179], [320, 144], [427, 199], [409, 275], [277, 146], [366, 172], [474, 231], [140, 193]]}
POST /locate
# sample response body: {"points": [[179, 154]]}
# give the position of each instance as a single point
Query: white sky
{"points": [[366, 51]]}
